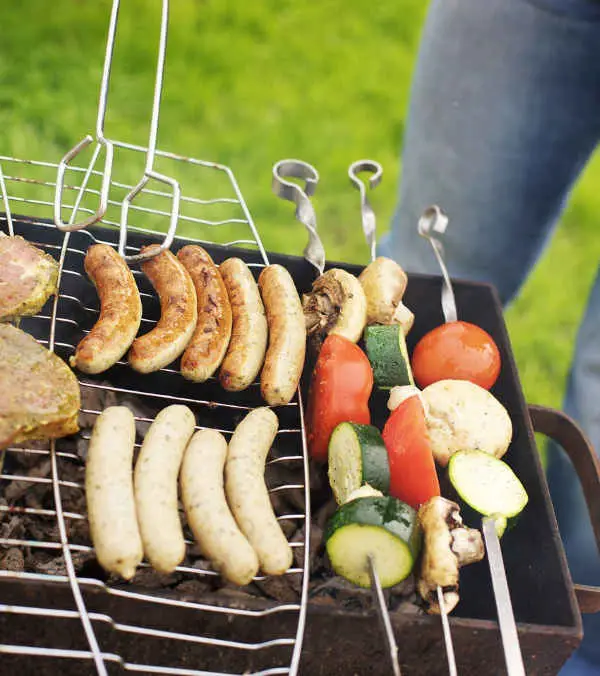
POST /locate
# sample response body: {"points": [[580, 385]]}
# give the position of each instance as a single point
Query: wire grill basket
{"points": [[55, 469]]}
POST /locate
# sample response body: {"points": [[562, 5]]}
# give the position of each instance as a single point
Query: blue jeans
{"points": [[504, 115]]}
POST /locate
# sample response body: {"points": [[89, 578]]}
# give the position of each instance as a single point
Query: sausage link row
{"points": [[223, 491]]}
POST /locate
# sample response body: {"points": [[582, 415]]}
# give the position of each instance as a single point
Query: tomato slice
{"points": [[340, 388], [413, 477], [456, 351]]}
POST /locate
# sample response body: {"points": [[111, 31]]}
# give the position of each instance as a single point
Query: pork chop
{"points": [[39, 394], [28, 277]]}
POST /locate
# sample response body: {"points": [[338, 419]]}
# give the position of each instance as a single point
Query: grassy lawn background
{"points": [[250, 83]]}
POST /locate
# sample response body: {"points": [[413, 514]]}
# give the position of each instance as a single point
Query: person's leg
{"points": [[503, 116], [583, 403]]}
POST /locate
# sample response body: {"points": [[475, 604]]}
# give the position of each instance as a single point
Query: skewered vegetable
{"points": [[461, 416], [386, 349], [384, 283], [447, 545], [340, 388], [488, 485], [336, 305], [457, 351], [357, 456], [413, 478], [381, 527]]}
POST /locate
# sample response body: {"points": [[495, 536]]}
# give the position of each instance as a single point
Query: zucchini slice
{"points": [[487, 484], [384, 528], [386, 349], [357, 456]]}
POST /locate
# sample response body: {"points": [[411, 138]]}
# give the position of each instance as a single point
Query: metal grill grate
{"points": [[225, 220]]}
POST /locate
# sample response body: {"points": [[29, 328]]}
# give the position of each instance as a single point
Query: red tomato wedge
{"points": [[456, 351], [413, 478], [340, 388]]}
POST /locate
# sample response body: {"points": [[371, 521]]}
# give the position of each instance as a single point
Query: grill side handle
{"points": [[565, 431]]}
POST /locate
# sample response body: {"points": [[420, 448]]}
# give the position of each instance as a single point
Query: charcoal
{"points": [[151, 579], [13, 560], [282, 588], [192, 590], [17, 489], [57, 565]]}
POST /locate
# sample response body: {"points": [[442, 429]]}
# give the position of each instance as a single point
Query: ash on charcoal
{"points": [[12, 560], [151, 579]]}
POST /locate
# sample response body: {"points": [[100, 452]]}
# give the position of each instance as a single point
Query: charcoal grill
{"points": [[71, 619]]}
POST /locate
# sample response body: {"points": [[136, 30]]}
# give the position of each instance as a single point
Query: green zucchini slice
{"points": [[381, 527], [386, 350], [357, 456], [486, 483]]}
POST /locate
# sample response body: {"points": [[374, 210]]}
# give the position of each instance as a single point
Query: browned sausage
{"points": [[287, 336], [120, 311], [178, 314], [248, 342], [206, 350]]}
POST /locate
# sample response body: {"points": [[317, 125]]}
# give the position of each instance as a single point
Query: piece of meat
{"points": [[39, 394], [28, 277]]}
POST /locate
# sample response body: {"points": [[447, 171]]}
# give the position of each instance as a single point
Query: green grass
{"points": [[250, 83]]}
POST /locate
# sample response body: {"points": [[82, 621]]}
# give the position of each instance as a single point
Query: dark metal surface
{"points": [[567, 433], [343, 642]]}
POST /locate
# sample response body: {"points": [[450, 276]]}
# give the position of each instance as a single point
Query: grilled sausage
{"points": [[247, 493], [207, 512], [120, 311], [155, 481], [287, 336], [178, 314], [248, 342], [109, 492], [206, 350]]}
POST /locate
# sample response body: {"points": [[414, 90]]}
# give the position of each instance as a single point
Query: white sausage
{"points": [[247, 492], [109, 492], [155, 482], [207, 512]]}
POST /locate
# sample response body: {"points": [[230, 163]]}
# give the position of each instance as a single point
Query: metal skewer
{"points": [[369, 224], [447, 634], [384, 617], [7, 213], [506, 618], [305, 212], [368, 215], [434, 220]]}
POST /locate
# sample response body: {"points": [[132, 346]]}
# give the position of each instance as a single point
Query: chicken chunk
{"points": [[39, 394], [28, 277]]}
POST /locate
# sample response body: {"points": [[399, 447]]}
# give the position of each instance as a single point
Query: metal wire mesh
{"points": [[90, 633]]}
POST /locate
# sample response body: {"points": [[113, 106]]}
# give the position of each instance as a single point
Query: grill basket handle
{"points": [[566, 432]]}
